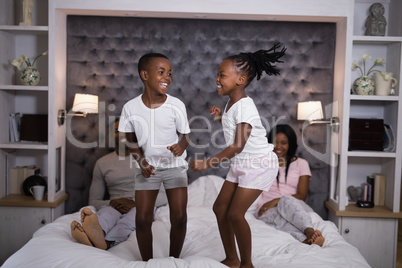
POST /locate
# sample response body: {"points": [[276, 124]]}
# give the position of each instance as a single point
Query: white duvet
{"points": [[53, 246]]}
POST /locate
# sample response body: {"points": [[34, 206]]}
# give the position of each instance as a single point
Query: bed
{"points": [[53, 246]]}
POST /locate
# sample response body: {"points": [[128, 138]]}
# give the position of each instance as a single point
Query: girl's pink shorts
{"points": [[257, 173]]}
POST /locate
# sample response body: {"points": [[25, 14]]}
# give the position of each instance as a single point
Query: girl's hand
{"points": [[146, 169], [198, 165], [176, 149], [216, 112]]}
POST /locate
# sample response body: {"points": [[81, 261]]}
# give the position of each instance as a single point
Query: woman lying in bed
{"points": [[283, 205]]}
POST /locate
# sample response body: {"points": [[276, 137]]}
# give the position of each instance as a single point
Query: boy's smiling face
{"points": [[158, 75]]}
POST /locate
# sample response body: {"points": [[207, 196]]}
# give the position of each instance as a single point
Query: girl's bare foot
{"points": [[78, 234], [231, 263], [92, 228]]}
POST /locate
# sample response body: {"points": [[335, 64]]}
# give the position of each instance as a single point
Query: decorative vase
{"points": [[30, 76], [364, 85], [384, 83]]}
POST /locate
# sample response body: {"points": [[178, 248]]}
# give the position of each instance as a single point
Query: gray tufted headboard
{"points": [[102, 56]]}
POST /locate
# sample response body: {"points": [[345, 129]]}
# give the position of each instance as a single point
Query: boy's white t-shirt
{"points": [[156, 129], [245, 111]]}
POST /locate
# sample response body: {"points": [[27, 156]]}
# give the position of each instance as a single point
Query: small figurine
{"points": [[375, 22], [27, 13]]}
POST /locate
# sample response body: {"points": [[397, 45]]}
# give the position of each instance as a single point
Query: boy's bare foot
{"points": [[91, 226], [78, 234], [231, 263]]}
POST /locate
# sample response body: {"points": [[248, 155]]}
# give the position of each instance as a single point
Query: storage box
{"points": [[34, 127], [17, 177], [366, 134]]}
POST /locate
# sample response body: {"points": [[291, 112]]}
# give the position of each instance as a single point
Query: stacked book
{"points": [[14, 123], [374, 189]]}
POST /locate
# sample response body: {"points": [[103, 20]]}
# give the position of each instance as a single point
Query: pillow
{"points": [[204, 190]]}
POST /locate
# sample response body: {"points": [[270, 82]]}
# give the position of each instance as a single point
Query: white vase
{"points": [[363, 85], [30, 76]]}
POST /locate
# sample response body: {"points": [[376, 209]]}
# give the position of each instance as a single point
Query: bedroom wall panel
{"points": [[102, 56]]}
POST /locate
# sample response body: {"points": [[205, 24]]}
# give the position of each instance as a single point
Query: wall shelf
{"points": [[359, 226], [373, 98], [25, 29], [24, 145], [23, 88], [376, 40], [371, 154]]}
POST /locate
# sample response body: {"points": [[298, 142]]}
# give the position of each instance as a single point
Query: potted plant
{"points": [[30, 76], [364, 85]]}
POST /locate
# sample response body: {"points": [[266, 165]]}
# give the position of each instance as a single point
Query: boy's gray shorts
{"points": [[170, 177]]}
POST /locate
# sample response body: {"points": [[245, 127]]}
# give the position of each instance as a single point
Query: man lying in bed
{"points": [[115, 218]]}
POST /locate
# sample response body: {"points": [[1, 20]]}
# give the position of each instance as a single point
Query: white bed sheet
{"points": [[53, 246]]}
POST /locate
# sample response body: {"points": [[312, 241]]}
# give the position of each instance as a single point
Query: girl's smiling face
{"points": [[227, 77], [281, 145]]}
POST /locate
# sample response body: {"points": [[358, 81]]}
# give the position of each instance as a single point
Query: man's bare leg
{"points": [[79, 235], [91, 226]]}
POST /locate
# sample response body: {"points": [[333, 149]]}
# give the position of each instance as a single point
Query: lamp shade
{"points": [[309, 110], [85, 103]]}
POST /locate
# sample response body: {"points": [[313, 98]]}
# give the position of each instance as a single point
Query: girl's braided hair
{"points": [[254, 63]]}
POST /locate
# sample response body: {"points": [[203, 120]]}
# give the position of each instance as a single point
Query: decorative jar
{"points": [[363, 85], [30, 76]]}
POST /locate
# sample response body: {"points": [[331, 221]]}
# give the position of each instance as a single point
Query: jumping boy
{"points": [[157, 133]]}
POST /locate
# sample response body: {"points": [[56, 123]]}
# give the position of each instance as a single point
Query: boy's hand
{"points": [[216, 112], [146, 169], [198, 165], [176, 149]]}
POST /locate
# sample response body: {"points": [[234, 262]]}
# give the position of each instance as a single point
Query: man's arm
{"points": [[123, 205], [97, 188]]}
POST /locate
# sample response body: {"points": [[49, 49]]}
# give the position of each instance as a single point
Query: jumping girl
{"points": [[254, 165]]}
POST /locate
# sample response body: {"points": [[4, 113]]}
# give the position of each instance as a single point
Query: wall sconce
{"points": [[83, 104], [311, 111]]}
